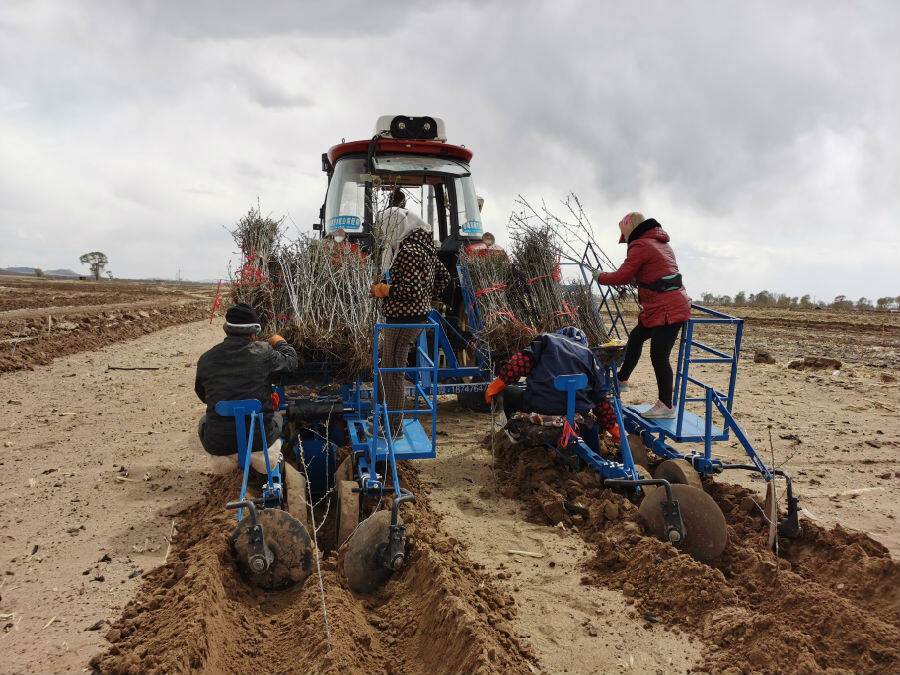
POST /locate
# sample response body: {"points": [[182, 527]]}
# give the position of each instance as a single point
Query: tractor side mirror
{"points": [[317, 226]]}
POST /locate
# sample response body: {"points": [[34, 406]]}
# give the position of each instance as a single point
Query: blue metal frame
{"points": [[272, 494], [370, 434], [624, 470], [688, 427]]}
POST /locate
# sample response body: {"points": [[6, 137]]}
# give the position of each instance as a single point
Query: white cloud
{"points": [[763, 136]]}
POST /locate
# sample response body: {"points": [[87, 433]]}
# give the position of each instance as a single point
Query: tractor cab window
{"points": [[439, 189], [345, 203], [468, 216]]}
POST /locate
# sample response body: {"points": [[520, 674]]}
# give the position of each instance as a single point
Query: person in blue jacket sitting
{"points": [[565, 352]]}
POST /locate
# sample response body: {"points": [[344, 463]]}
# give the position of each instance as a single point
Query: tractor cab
{"points": [[412, 154]]}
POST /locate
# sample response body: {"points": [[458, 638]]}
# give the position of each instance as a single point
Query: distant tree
{"points": [[841, 302], [761, 298], [806, 301], [723, 300], [863, 303], [96, 261], [109, 274], [707, 298], [38, 272], [886, 303], [740, 298]]}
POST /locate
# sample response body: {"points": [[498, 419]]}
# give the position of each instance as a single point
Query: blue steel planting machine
{"points": [[336, 413], [681, 512], [325, 411]]}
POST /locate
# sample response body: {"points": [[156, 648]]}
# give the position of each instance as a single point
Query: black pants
{"points": [[514, 401], [662, 339]]}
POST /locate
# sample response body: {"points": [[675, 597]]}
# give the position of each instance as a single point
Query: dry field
{"points": [[98, 465]]}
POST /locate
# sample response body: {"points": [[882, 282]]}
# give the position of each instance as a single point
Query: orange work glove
{"points": [[275, 339], [276, 400], [493, 389], [380, 290], [614, 432]]}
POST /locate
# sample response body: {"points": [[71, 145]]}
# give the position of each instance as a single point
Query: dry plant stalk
{"points": [[528, 294]]}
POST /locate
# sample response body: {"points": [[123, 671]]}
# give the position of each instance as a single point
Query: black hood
{"points": [[643, 229]]}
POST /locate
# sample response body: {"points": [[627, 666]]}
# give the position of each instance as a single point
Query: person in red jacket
{"points": [[665, 305]]}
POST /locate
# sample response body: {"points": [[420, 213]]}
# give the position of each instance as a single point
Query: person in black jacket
{"points": [[564, 353], [240, 368]]}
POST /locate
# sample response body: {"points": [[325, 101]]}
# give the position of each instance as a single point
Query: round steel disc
{"points": [[678, 471], [295, 489], [705, 535], [347, 511], [364, 572], [289, 542]]}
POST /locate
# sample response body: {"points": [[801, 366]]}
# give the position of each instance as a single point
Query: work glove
{"points": [[276, 339], [380, 290], [614, 432], [596, 274], [493, 389]]}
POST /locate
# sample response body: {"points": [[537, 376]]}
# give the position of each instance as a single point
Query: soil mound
{"points": [[440, 614], [830, 602], [26, 343]]}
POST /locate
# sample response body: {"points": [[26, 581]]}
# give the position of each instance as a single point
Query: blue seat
{"points": [[240, 410]]}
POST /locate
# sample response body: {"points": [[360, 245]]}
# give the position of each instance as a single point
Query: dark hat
{"points": [[242, 320]]}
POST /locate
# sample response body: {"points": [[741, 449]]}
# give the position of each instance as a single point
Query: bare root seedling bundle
{"points": [[525, 295]]}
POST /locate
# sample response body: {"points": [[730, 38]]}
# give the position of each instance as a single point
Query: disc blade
{"points": [[364, 572], [290, 544], [706, 533]]}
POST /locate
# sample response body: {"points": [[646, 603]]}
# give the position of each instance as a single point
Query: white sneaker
{"points": [[623, 386], [659, 411]]}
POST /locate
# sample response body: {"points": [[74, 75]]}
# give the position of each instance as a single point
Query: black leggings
{"points": [[662, 339]]}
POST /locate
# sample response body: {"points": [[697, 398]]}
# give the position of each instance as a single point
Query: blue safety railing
{"points": [[686, 349], [687, 426], [426, 363]]}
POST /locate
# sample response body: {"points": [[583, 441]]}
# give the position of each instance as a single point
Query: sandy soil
{"points": [[100, 463], [42, 319]]}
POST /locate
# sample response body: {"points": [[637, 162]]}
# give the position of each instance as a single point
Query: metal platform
{"points": [[415, 443], [693, 427]]}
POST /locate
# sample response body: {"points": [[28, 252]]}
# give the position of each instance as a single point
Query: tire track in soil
{"points": [[829, 603], [439, 614]]}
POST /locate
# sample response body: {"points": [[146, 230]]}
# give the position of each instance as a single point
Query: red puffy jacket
{"points": [[649, 258]]}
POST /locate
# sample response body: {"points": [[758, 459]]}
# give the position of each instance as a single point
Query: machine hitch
{"points": [[392, 553], [789, 526], [259, 555]]}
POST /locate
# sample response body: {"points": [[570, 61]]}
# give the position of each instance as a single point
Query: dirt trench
{"points": [[829, 603], [440, 614]]}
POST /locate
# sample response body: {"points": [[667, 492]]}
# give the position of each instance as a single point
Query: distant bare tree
{"points": [[38, 272]]}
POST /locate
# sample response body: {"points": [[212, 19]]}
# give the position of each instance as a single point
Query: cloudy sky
{"points": [[765, 136]]}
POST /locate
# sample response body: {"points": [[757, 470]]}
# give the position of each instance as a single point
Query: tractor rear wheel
{"points": [[473, 400]]}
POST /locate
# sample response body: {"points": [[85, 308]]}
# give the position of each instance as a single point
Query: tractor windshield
{"points": [[438, 189]]}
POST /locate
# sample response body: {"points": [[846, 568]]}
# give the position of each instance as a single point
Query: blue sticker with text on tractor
{"points": [[348, 223], [472, 227]]}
